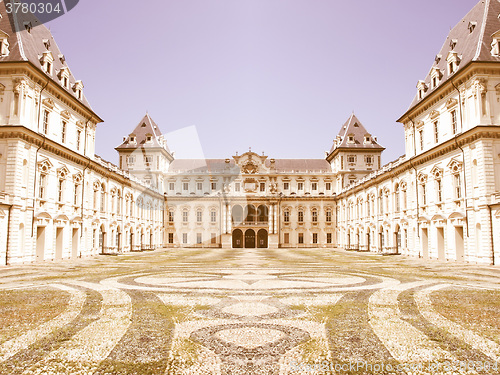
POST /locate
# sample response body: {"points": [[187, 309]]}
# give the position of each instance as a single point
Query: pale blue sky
{"points": [[281, 76]]}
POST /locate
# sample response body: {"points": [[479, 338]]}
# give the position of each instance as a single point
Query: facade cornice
{"points": [[27, 135], [478, 132], [447, 87], [16, 68]]}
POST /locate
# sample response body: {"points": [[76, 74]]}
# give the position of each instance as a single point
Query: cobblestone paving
{"points": [[256, 311]]}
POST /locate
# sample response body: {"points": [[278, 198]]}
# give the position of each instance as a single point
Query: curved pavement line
{"points": [[405, 343], [22, 342], [484, 345], [93, 344]]}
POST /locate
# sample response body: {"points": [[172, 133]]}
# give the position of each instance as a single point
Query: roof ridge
{"points": [[18, 35], [483, 27]]}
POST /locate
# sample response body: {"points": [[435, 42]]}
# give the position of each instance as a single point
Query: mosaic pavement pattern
{"points": [[259, 311]]}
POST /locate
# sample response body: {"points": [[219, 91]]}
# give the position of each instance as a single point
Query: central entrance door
{"points": [[262, 238], [250, 239]]}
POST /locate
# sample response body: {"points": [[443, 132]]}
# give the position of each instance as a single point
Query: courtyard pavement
{"points": [[249, 311]]}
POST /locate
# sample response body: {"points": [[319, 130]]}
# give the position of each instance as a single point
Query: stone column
{"points": [[276, 213], [223, 219], [270, 218], [228, 208]]}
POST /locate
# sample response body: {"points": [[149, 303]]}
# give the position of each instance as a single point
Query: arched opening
{"points": [[74, 243], [237, 238], [251, 214], [262, 238], [250, 239], [40, 244], [237, 215], [263, 214], [102, 238], [397, 239]]}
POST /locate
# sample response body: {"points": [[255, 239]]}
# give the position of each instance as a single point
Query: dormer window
{"points": [[453, 61], [472, 26], [132, 139], [47, 62], [437, 59], [4, 44], [422, 88], [28, 26], [46, 43], [435, 76], [453, 43], [64, 76], [495, 44], [368, 139], [350, 138], [149, 138], [78, 87]]}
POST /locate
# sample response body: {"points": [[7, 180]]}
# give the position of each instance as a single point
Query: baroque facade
{"points": [[440, 200]]}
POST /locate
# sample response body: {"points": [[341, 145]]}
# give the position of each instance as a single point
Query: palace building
{"points": [[441, 200]]}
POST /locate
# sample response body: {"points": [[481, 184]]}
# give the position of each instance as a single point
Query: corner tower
{"points": [[354, 154], [144, 153]]}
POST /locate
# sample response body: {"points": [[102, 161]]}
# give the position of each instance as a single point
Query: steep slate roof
{"points": [[219, 165], [145, 126], [470, 46], [29, 46], [354, 127]]}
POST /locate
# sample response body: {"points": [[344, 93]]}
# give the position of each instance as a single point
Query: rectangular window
{"points": [[439, 189], [436, 132], [198, 238], [60, 190], [301, 237], [301, 217], [199, 186], [286, 217], [454, 124], [184, 238], [328, 216], [63, 131], [171, 186], [314, 186], [315, 216], [213, 216], [300, 186], [45, 121], [458, 186], [237, 187], [199, 216], [77, 194], [214, 186], [351, 159], [185, 186], [184, 216], [262, 186], [286, 186], [78, 139], [424, 194], [286, 238], [328, 238], [130, 160], [369, 159], [315, 237], [421, 138], [171, 216], [41, 190], [170, 238], [328, 186], [213, 238], [148, 160]]}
